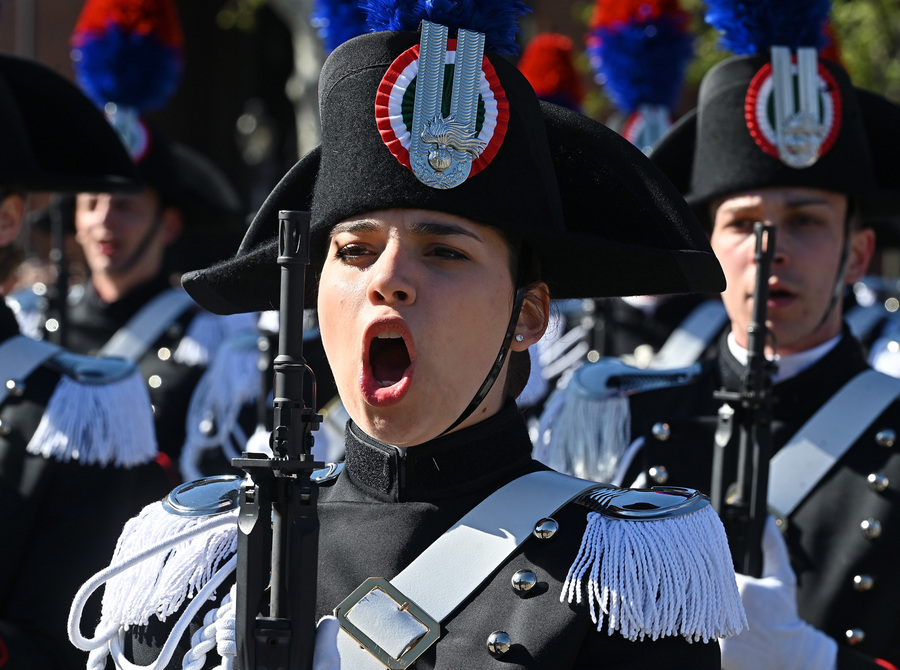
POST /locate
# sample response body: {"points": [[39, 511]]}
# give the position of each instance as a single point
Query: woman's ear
{"points": [[533, 318]]}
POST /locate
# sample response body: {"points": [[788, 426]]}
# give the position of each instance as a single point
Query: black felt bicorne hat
{"points": [[603, 220], [52, 137], [752, 129]]}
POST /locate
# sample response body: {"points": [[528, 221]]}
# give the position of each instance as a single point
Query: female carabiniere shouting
{"points": [[447, 206]]}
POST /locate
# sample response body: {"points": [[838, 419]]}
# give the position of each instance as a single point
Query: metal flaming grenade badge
{"points": [[440, 108], [793, 107]]}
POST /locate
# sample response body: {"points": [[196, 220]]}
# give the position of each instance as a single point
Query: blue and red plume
{"points": [[639, 50], [497, 19], [548, 64], [753, 26], [129, 52], [337, 21]]}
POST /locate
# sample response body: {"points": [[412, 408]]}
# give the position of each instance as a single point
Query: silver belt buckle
{"points": [[413, 650]]}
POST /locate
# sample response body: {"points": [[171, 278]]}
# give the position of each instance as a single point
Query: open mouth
{"points": [[388, 358]]}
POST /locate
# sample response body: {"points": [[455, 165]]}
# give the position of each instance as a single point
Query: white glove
{"points": [[325, 653], [777, 638]]}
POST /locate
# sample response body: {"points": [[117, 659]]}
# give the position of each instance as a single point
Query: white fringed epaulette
{"points": [[99, 414], [585, 428], [655, 563], [162, 561]]}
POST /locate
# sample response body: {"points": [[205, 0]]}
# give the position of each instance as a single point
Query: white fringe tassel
{"points": [[658, 578], [97, 424], [582, 436], [160, 584]]}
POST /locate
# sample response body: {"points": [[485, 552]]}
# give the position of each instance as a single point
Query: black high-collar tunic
{"points": [[59, 522], [829, 552], [389, 505]]}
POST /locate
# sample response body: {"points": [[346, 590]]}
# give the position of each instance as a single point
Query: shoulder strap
{"points": [[799, 465], [390, 623], [863, 320], [491, 532], [20, 357], [693, 335], [133, 339]]}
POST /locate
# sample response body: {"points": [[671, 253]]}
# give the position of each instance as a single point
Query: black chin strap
{"points": [[837, 292], [494, 372], [525, 258], [143, 246]]}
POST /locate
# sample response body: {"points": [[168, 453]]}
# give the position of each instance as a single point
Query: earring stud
{"points": [[520, 337]]}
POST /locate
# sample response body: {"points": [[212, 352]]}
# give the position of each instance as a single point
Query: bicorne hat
{"points": [[53, 138], [436, 119], [780, 115]]}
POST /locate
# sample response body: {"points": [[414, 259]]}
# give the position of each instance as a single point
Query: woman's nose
{"points": [[392, 279]]}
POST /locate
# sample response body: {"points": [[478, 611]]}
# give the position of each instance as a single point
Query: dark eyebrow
{"points": [[361, 226], [420, 229], [806, 202], [441, 229]]}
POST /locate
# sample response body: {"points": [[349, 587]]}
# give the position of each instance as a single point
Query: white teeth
{"points": [[388, 335]]}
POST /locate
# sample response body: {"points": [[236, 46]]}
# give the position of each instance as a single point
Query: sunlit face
{"points": [[809, 233], [122, 235], [413, 307]]}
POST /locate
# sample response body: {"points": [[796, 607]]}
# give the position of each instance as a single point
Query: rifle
{"points": [[743, 511], [278, 525]]}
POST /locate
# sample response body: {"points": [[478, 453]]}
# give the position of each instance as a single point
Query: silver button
{"points": [[658, 474], [498, 643], [871, 529], [545, 529], [661, 431], [885, 437], [16, 387], [855, 635], [154, 381], [523, 581], [863, 582], [878, 482], [164, 353]]}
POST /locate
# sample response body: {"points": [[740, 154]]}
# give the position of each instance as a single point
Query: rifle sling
{"points": [[796, 469]]}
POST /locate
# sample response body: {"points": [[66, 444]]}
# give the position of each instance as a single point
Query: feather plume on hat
{"points": [[128, 52], [548, 63], [639, 50]]}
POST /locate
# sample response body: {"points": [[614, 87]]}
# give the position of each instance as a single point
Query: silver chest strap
{"points": [[398, 619], [133, 339], [802, 463], [20, 357], [684, 346]]}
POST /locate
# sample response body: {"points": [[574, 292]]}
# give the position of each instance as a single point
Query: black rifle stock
{"points": [[278, 525], [743, 510]]}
